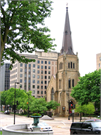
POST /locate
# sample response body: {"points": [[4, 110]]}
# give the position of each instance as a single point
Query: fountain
{"points": [[25, 129]]}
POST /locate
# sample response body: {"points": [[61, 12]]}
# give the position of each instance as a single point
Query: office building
{"points": [[5, 77], [34, 76]]}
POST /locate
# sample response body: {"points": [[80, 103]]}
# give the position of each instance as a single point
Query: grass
{"points": [[0, 132]]}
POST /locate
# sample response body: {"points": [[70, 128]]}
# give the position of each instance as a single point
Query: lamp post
{"points": [[14, 107]]}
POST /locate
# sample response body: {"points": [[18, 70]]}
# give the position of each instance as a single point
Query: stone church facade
{"points": [[60, 86]]}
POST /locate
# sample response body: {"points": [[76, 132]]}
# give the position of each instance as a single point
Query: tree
{"points": [[52, 105], [38, 106], [22, 28], [87, 109], [87, 89]]}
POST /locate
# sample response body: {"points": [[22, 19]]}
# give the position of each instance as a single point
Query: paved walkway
{"points": [[60, 125]]}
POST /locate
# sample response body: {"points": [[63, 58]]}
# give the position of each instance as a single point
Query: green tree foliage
{"points": [[87, 109], [38, 106], [52, 105], [22, 24], [35, 105], [88, 88]]}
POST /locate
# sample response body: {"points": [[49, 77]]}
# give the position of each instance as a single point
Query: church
{"points": [[67, 76]]}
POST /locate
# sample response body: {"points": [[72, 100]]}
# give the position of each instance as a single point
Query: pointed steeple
{"points": [[67, 41]]}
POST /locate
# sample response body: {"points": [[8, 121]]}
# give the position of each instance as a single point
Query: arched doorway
{"points": [[52, 94], [71, 106]]}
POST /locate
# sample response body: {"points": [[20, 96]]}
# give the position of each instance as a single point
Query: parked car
{"points": [[7, 112], [85, 128], [43, 127], [93, 120]]}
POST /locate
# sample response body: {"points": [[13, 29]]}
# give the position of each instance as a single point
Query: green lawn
{"points": [[0, 132]]}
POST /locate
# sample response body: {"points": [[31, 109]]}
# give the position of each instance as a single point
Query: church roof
{"points": [[67, 46]]}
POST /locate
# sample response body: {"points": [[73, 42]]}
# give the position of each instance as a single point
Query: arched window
{"points": [[69, 83], [52, 94], [71, 64], [68, 65], [72, 82]]}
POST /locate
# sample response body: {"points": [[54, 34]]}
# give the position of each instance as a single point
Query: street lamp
{"points": [[14, 107]]}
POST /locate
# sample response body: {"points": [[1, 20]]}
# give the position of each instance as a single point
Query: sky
{"points": [[85, 23]]}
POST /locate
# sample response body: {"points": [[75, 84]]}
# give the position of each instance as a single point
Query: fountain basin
{"points": [[22, 129]]}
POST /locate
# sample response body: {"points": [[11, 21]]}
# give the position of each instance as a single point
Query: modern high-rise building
{"points": [[98, 61], [5, 77], [34, 76]]}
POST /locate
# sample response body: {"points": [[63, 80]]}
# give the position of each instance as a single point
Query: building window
{"points": [[38, 76], [33, 86], [25, 65], [41, 87], [45, 67], [48, 67], [38, 87], [45, 87], [41, 62], [60, 65], [45, 62], [21, 64], [37, 92], [68, 65], [99, 64], [29, 81], [41, 67], [33, 81], [100, 58], [60, 84], [48, 62], [48, 77], [38, 71], [33, 70], [20, 75], [69, 83], [45, 77], [20, 69], [41, 71], [41, 76], [38, 61], [25, 70], [20, 80], [45, 92], [72, 82], [25, 81], [41, 92], [29, 75], [33, 76], [33, 91], [29, 65], [41, 82], [45, 72], [52, 94], [38, 66], [38, 82], [45, 82], [33, 65], [48, 72], [73, 65]]}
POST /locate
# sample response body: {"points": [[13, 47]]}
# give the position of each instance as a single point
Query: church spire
{"points": [[67, 41]]}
